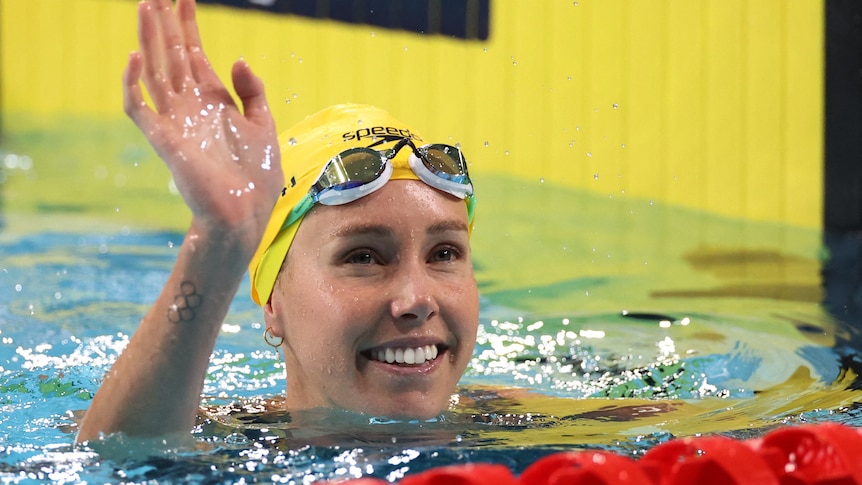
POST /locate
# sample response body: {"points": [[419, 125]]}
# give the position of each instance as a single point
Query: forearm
{"points": [[154, 387]]}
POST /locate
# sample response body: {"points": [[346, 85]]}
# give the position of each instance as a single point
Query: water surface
{"points": [[606, 322]]}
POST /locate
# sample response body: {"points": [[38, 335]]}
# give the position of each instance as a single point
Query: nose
{"points": [[413, 294]]}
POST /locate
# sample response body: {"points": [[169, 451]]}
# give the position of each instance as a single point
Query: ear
{"points": [[268, 311], [272, 319]]}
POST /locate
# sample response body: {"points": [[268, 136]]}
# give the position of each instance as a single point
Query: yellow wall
{"points": [[707, 104]]}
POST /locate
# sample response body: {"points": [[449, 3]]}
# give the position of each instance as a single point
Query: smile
{"points": [[405, 355]]}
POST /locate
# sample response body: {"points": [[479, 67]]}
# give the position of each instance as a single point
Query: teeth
{"points": [[407, 355]]}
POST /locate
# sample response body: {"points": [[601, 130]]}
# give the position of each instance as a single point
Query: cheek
{"points": [[464, 302], [319, 313]]}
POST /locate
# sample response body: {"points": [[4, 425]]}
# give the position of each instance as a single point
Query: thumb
{"points": [[250, 90]]}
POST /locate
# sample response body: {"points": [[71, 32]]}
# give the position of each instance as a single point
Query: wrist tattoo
{"points": [[183, 308]]}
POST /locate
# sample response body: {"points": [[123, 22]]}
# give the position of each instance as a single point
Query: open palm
{"points": [[225, 162]]}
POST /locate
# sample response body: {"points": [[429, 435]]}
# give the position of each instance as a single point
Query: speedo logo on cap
{"points": [[376, 132]]}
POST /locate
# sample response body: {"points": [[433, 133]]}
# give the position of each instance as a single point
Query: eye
{"points": [[362, 256], [445, 254]]}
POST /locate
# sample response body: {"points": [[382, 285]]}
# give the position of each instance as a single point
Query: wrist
{"points": [[223, 245]]}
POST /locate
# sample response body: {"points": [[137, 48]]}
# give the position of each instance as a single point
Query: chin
{"points": [[410, 407]]}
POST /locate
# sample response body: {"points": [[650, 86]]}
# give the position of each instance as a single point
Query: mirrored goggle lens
{"points": [[351, 168], [445, 161]]}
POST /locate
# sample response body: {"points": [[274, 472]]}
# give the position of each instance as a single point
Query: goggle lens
{"points": [[350, 169], [445, 161]]}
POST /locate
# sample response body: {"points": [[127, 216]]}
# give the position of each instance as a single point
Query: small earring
{"points": [[270, 339]]}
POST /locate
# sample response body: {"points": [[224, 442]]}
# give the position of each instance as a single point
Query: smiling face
{"points": [[378, 304]]}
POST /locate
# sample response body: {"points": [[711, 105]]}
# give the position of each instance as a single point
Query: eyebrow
{"points": [[354, 230], [448, 225]]}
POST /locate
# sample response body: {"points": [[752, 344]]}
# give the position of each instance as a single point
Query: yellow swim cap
{"points": [[305, 149]]}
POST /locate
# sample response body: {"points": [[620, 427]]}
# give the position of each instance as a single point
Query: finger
{"points": [[151, 54], [133, 99], [201, 69], [249, 88], [191, 34], [173, 46]]}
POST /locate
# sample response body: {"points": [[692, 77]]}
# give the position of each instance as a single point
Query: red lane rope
{"points": [[821, 454]]}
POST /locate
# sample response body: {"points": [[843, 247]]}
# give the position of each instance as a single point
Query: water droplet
{"points": [[623, 145], [595, 176], [58, 295], [571, 143], [506, 152], [236, 439], [568, 78], [575, 3], [541, 180], [170, 244], [358, 122], [373, 34], [616, 106], [590, 154], [291, 141], [18, 287], [486, 144], [485, 49]]}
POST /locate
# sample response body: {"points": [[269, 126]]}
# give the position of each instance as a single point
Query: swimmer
{"points": [[354, 229]]}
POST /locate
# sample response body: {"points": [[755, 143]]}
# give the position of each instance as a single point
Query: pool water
{"points": [[606, 322]]}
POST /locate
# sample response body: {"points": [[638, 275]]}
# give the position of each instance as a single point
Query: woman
{"points": [[357, 245]]}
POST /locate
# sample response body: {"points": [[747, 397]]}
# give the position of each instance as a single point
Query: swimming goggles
{"points": [[357, 172]]}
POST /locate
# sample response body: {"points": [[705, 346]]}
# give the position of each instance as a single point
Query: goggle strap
{"points": [[298, 211], [471, 208]]}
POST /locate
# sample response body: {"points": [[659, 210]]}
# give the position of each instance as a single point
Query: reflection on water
{"points": [[607, 323]]}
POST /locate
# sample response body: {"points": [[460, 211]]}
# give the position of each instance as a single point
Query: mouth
{"points": [[406, 356]]}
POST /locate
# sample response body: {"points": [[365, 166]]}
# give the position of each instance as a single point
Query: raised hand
{"points": [[225, 163]]}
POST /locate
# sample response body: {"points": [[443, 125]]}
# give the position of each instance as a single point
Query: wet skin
{"points": [[368, 288]]}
